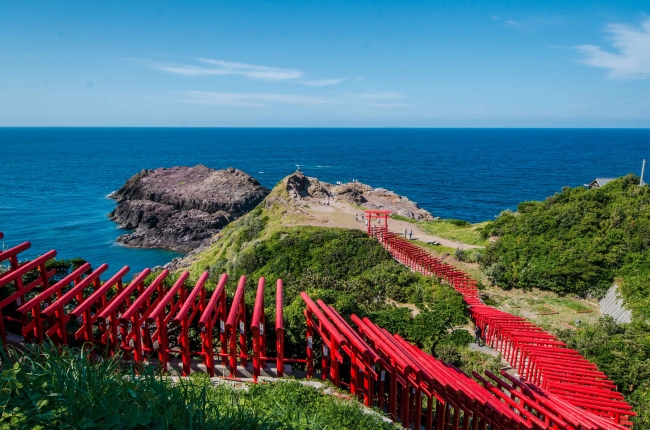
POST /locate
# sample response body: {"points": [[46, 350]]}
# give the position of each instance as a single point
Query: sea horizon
{"points": [[56, 189]]}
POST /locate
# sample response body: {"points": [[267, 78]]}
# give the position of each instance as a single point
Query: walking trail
{"points": [[342, 214]]}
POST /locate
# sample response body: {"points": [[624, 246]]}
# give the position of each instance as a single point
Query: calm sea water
{"points": [[55, 180]]}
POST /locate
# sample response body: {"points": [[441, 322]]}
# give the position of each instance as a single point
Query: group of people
{"points": [[364, 219]]}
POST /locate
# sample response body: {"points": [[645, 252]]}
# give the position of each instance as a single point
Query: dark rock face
{"points": [[180, 207]]}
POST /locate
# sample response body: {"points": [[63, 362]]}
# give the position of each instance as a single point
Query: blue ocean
{"points": [[55, 180]]}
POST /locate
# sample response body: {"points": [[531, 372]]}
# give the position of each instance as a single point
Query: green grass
{"points": [[50, 388], [449, 229], [439, 249], [403, 218], [490, 302]]}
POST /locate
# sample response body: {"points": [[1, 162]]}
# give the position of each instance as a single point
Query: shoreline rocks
{"points": [[179, 208]]}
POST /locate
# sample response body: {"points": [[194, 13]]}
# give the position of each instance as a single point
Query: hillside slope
{"points": [[344, 267], [577, 241]]}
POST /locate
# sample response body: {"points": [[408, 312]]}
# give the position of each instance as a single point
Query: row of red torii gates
{"points": [[538, 356], [154, 323]]}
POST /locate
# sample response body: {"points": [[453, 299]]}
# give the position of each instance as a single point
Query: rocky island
{"points": [[179, 208]]}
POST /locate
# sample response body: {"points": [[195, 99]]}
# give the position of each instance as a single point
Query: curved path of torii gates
{"points": [[155, 323], [538, 356]]}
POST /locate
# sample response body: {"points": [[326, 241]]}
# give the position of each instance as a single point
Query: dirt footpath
{"points": [[342, 214]]}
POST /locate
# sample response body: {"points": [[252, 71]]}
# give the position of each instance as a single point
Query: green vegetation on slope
{"points": [[51, 388], [577, 241], [345, 268], [580, 241]]}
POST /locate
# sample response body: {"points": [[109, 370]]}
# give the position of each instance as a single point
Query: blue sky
{"points": [[325, 64]]}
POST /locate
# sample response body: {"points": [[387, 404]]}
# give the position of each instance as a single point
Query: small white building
{"points": [[598, 182]]}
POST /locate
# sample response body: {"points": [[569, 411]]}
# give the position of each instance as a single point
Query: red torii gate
{"points": [[378, 215], [566, 392]]}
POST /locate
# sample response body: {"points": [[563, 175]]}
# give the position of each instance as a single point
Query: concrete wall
{"points": [[612, 305]]}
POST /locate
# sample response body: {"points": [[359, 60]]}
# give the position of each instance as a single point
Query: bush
{"points": [[65, 389], [467, 360], [351, 272], [459, 222], [473, 255], [577, 241]]}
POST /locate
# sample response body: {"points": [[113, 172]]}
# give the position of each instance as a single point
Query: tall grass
{"points": [[50, 388]]}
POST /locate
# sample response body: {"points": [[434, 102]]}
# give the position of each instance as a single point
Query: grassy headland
{"points": [[345, 268]]}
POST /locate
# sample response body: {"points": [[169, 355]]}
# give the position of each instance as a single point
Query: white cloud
{"points": [[229, 68], [255, 100], [374, 95], [253, 71], [633, 58], [387, 105], [188, 70], [371, 99], [324, 82], [514, 23]]}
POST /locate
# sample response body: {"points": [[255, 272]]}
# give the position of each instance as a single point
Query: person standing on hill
{"points": [[477, 332]]}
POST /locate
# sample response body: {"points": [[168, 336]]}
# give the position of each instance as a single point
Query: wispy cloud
{"points": [[254, 100], [323, 82], [514, 23], [253, 71], [219, 67], [387, 105], [374, 95], [371, 99], [187, 70], [510, 23], [633, 58]]}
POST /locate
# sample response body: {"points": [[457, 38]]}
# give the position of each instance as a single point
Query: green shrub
{"points": [[349, 271], [403, 218], [467, 360], [473, 255], [459, 222], [65, 389], [577, 241]]}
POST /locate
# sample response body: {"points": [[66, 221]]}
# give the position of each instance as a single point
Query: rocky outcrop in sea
{"points": [[179, 208]]}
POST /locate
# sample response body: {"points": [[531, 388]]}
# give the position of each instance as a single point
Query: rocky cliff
{"points": [[181, 207], [301, 187]]}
